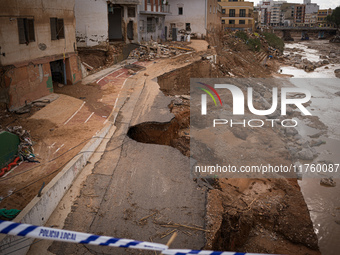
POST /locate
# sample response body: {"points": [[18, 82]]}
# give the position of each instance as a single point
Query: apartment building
{"points": [[237, 15], [322, 17]]}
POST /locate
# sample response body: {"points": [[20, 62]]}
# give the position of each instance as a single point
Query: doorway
{"points": [[58, 70], [115, 23]]}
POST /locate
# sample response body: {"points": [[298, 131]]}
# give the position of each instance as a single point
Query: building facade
{"points": [[237, 15], [322, 17], [151, 20], [299, 14], [38, 46], [103, 21], [197, 17]]}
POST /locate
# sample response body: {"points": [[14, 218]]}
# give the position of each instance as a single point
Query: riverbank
{"points": [[322, 201]]}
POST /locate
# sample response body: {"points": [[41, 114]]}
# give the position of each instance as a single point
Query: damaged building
{"points": [[38, 47], [152, 20], [101, 21]]}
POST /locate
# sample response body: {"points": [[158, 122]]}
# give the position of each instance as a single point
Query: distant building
{"points": [[322, 17], [311, 19], [287, 14], [38, 47], [103, 21], [237, 15], [151, 20], [198, 17], [299, 14]]}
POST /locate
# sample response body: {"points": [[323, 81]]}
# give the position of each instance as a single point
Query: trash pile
{"points": [[153, 50], [25, 148]]}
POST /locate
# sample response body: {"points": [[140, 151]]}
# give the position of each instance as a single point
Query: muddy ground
{"points": [[248, 215]]}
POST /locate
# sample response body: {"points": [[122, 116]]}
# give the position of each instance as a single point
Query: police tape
{"points": [[18, 229], [27, 230]]}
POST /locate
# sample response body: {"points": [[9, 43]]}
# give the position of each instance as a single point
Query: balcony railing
{"points": [[236, 15], [226, 26], [163, 8]]}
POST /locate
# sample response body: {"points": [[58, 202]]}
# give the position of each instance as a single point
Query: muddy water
{"points": [[323, 202]]}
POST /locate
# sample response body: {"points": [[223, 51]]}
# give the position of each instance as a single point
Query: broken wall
{"points": [[91, 22]]}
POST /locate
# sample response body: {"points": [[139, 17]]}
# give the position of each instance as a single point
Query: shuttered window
{"points": [[57, 28], [26, 30]]}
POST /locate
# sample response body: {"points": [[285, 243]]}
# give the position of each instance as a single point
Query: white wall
{"points": [[91, 22], [312, 8], [41, 11], [194, 12]]}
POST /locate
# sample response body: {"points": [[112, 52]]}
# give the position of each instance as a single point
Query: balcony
{"points": [[162, 9]]}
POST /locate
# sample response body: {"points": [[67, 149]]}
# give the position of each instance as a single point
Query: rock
{"points": [[291, 131], [185, 97], [292, 151], [131, 72], [337, 222], [317, 143], [145, 74], [305, 154], [337, 93], [325, 62], [332, 55], [337, 73], [328, 182]]}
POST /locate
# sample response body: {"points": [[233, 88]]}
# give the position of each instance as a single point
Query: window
{"points": [[26, 30], [223, 21], [151, 26], [57, 29], [131, 12], [187, 27], [210, 8], [242, 12], [231, 21], [242, 22], [223, 11], [232, 13], [180, 10]]}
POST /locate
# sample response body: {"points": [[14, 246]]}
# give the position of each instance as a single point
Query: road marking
{"points": [[119, 75], [114, 107], [58, 149], [107, 75], [74, 113], [89, 117]]}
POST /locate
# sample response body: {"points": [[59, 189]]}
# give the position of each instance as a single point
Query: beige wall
{"points": [[213, 16], [41, 11]]}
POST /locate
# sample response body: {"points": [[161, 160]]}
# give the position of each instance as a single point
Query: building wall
{"points": [[213, 16], [25, 68], [91, 22], [9, 37], [194, 12], [312, 8]]}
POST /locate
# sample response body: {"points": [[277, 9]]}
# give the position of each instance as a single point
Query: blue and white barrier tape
{"points": [[18, 229], [188, 252]]}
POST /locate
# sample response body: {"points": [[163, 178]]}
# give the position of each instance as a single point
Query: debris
{"points": [[176, 225], [328, 182], [88, 66]]}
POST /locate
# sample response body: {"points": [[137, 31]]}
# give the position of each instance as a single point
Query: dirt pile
{"points": [[99, 57]]}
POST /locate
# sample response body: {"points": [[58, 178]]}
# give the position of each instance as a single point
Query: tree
{"points": [[334, 18]]}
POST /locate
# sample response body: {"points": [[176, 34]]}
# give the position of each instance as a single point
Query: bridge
{"points": [[305, 31]]}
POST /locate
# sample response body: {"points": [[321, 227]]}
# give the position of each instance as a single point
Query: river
{"points": [[323, 202]]}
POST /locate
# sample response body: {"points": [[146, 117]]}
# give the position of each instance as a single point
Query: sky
{"points": [[324, 4]]}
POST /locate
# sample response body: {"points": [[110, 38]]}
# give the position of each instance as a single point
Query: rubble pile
{"points": [[296, 60], [154, 50]]}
